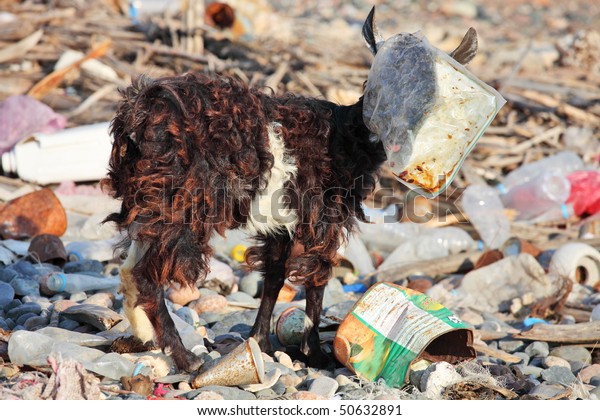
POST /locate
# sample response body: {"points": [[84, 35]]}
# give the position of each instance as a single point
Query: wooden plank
{"points": [[582, 333]]}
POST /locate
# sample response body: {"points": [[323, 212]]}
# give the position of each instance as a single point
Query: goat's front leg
{"points": [[311, 343], [147, 312], [272, 253]]}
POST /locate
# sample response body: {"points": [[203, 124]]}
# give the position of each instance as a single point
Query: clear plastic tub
{"points": [[427, 109]]}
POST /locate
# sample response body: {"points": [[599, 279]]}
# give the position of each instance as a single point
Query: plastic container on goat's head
{"points": [[392, 327], [427, 109]]}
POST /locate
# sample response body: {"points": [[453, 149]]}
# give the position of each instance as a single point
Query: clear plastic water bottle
{"points": [[561, 164], [532, 198], [485, 210], [454, 239], [78, 282]]}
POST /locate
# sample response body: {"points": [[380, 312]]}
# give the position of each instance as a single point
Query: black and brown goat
{"points": [[194, 155]]}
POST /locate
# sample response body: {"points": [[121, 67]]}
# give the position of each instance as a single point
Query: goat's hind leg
{"points": [[147, 312]]}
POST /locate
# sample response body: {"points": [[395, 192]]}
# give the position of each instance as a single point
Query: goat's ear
{"points": [[467, 49], [370, 32]]}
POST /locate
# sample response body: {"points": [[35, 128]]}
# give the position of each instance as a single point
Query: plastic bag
{"points": [[427, 109]]}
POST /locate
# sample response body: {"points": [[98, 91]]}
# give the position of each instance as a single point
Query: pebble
{"points": [[13, 304], [284, 359], [21, 320], [343, 380], [437, 377], [62, 305], [35, 323], [340, 310], [290, 380], [538, 348], [7, 294], [241, 297], [588, 373], [84, 266], [524, 357], [23, 309], [558, 374], [235, 321], [546, 391], [208, 395], [7, 274], [511, 345], [44, 302], [353, 393], [279, 388], [229, 393], [490, 326], [307, 395], [4, 325], [189, 315], [182, 295], [214, 303], [101, 299], [78, 297], [573, 354], [25, 286], [470, 316], [595, 393], [266, 394], [252, 284], [595, 381], [324, 386], [555, 361]]}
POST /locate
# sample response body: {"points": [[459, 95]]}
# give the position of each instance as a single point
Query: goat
{"points": [[194, 155]]}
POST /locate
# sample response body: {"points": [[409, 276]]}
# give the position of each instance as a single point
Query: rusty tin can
{"points": [[391, 327]]}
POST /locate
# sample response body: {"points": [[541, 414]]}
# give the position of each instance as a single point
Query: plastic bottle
{"points": [[75, 154], [485, 210], [555, 213], [561, 164], [431, 244], [77, 282], [386, 237], [534, 197], [103, 250]]}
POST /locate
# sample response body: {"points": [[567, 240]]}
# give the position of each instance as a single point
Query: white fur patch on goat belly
{"points": [[269, 211]]}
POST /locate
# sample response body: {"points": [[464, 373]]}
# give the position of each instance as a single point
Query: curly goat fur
{"points": [[194, 155]]}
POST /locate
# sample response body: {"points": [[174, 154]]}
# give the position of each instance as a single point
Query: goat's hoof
{"points": [[131, 344], [189, 362]]}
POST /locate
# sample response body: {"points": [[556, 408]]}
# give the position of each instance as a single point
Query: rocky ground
{"points": [[536, 323]]}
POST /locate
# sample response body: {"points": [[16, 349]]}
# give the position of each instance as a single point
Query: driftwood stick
{"points": [[581, 333]]}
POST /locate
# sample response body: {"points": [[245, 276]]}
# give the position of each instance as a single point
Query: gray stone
{"points": [[84, 266], [239, 321], [78, 296], [546, 391], [190, 316], [68, 324], [252, 284], [7, 274], [558, 375], [44, 302], [595, 381], [532, 371], [13, 304], [25, 308], [490, 326], [4, 325], [573, 354], [537, 361], [511, 345], [340, 310], [278, 388], [269, 366], [35, 323], [555, 361], [7, 294], [334, 293], [324, 386], [524, 357], [350, 393], [266, 394], [415, 377], [25, 286], [577, 366], [538, 348], [11, 323], [24, 268], [595, 393], [228, 393], [21, 320], [241, 297]]}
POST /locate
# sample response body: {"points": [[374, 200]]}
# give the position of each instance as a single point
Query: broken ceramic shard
{"points": [[435, 116]]}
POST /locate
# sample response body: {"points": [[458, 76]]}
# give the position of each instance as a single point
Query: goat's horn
{"points": [[467, 49], [371, 33]]}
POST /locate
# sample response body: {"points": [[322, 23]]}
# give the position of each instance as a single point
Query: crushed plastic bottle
{"points": [[532, 198], [386, 237], [78, 282], [431, 244], [485, 210], [561, 163]]}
